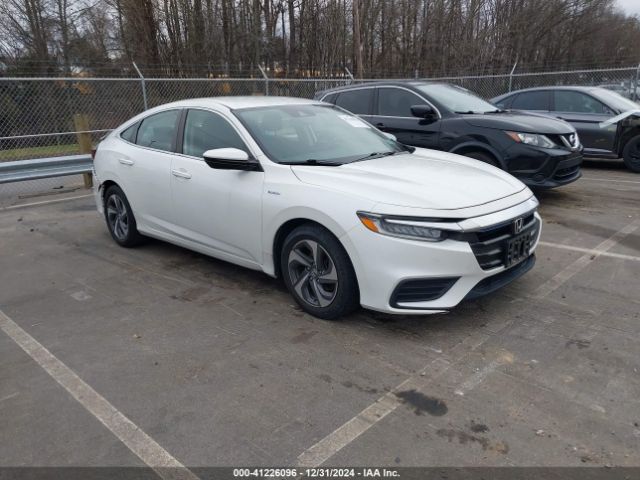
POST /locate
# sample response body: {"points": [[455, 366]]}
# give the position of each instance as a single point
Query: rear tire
{"points": [[483, 157], [119, 217], [318, 273], [631, 154]]}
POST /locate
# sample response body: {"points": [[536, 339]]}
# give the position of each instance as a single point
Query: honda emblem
{"points": [[518, 224]]}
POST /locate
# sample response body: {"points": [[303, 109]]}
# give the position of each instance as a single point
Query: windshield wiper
{"points": [[497, 110], [468, 112], [373, 155], [313, 161]]}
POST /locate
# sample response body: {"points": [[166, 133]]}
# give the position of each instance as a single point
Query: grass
{"points": [[35, 152]]}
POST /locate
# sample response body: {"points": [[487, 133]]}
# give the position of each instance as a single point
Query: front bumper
{"points": [[543, 167], [383, 263]]}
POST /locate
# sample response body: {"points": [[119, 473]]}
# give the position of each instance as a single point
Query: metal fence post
{"points": [[81, 123], [350, 74], [635, 87], [143, 85], [511, 75], [266, 81]]}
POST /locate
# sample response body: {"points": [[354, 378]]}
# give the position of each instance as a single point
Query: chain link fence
{"points": [[43, 117]]}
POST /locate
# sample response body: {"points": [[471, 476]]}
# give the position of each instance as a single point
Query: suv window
{"points": [[356, 101], [531, 101], [396, 102], [158, 131], [130, 133], [206, 131], [505, 102], [331, 98], [568, 101]]}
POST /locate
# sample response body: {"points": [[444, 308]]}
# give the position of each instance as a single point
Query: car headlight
{"points": [[417, 229], [532, 139]]}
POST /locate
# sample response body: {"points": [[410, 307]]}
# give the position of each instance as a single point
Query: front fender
{"points": [[475, 145]]}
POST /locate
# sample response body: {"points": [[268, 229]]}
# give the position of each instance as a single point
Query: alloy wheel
{"points": [[313, 273], [117, 217]]}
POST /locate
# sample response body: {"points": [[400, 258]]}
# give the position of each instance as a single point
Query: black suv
{"points": [[540, 151], [592, 111]]}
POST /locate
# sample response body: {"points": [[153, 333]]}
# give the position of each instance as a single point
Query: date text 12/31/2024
{"points": [[319, 472]]}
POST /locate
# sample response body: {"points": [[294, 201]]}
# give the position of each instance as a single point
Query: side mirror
{"points": [[422, 111], [230, 159], [390, 136]]}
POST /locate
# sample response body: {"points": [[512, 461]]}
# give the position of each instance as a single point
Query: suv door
{"points": [[393, 115], [219, 209], [585, 113], [144, 168]]}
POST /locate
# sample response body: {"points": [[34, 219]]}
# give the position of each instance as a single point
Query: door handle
{"points": [[125, 161], [181, 174]]}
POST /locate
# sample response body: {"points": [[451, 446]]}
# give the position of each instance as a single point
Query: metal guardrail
{"points": [[45, 168]]}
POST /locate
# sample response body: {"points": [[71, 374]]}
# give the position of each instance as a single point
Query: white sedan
{"points": [[305, 191]]}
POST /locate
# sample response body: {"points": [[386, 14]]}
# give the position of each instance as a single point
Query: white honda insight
{"points": [[305, 191]]}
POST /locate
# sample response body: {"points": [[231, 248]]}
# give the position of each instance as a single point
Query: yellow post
{"points": [[81, 122]]}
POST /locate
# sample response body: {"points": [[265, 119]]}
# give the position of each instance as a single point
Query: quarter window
{"points": [[159, 130], [395, 102], [568, 101], [205, 130], [356, 101], [130, 133], [531, 101]]}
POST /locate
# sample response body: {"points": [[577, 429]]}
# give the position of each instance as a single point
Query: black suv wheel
{"points": [[631, 154]]}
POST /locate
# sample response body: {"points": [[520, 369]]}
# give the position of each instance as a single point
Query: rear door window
{"points": [[158, 131], [532, 101], [356, 101]]}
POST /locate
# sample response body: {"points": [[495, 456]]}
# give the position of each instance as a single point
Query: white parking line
{"points": [[141, 444], [342, 436], [569, 271], [591, 251], [46, 202]]}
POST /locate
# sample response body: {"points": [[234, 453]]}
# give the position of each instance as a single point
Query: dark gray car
{"points": [[586, 108]]}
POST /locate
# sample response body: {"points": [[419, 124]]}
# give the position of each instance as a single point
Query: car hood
{"points": [[424, 179], [520, 122]]}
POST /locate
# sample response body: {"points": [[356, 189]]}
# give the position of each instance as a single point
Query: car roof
{"points": [[240, 102], [382, 83], [550, 87]]}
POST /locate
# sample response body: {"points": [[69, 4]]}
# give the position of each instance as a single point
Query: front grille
{"points": [[490, 245], [567, 141], [421, 290]]}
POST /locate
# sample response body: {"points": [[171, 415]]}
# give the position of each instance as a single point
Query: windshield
{"points": [[615, 100], [314, 134], [457, 99]]}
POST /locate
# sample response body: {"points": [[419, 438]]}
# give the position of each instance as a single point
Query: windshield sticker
{"points": [[354, 121], [617, 118]]}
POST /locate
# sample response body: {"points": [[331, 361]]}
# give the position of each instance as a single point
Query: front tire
{"points": [[631, 154], [318, 273], [119, 217]]}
